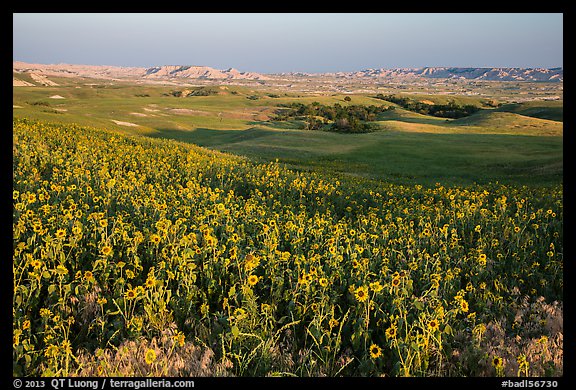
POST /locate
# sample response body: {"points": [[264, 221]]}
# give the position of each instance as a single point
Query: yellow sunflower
{"points": [[252, 280], [375, 351], [131, 294], [391, 332], [361, 293], [106, 250], [150, 356], [464, 306], [497, 362], [433, 325]]}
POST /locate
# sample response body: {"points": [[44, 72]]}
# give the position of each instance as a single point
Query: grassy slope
{"points": [[487, 146], [400, 156], [507, 122], [553, 110], [24, 77]]}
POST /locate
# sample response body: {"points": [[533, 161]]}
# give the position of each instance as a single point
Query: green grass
{"points": [[462, 157], [510, 123], [553, 110], [403, 115], [515, 143], [397, 156], [24, 77]]}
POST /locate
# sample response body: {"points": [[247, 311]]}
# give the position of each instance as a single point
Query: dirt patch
{"points": [[42, 80], [186, 111], [227, 115], [137, 114], [124, 123], [57, 97], [15, 106], [429, 102]]}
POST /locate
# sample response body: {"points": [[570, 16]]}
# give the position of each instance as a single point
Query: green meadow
{"points": [[513, 143]]}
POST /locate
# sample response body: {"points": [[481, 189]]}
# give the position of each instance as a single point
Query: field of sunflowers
{"points": [[138, 256]]}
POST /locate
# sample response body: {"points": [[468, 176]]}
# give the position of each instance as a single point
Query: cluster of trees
{"points": [[202, 91], [450, 110], [348, 119]]}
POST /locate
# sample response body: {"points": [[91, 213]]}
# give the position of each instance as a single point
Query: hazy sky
{"points": [[289, 42]]}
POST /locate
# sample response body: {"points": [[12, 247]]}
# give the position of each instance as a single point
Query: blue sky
{"points": [[291, 42]]}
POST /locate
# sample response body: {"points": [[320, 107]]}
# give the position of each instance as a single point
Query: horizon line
{"points": [[299, 71]]}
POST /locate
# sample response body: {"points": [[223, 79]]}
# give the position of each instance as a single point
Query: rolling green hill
{"points": [[553, 110], [489, 145], [510, 123]]}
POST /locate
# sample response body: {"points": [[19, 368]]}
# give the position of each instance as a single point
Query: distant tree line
{"points": [[201, 91], [450, 110], [346, 119]]}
